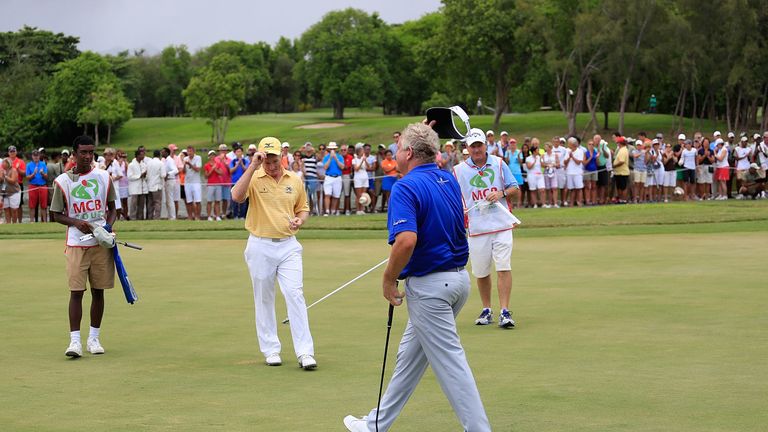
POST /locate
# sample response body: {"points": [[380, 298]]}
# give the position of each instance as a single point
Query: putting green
{"points": [[627, 333]]}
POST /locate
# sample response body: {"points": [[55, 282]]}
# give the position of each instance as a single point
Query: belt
{"points": [[328, 175], [274, 240], [455, 269]]}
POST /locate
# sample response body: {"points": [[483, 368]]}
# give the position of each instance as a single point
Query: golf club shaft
{"points": [[131, 245], [345, 285], [384, 363]]}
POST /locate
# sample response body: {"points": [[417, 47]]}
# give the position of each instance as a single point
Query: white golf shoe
{"points": [[307, 362], [355, 424], [74, 350], [94, 346], [274, 360]]}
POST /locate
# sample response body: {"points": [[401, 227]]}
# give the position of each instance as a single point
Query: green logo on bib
{"points": [[87, 189], [478, 181]]}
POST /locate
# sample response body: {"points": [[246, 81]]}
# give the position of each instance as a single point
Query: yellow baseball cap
{"points": [[270, 145]]}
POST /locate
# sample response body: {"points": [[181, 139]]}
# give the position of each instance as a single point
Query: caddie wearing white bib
{"points": [[485, 179], [81, 197]]}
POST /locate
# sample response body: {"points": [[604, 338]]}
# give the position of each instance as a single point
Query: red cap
{"points": [[621, 140]]}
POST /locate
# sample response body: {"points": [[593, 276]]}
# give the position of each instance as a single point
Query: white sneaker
{"points": [[218, 218], [535, 206], [346, 213], [565, 203], [74, 350], [557, 206], [210, 218], [360, 212], [546, 206], [355, 424], [307, 362], [274, 360], [94, 347]]}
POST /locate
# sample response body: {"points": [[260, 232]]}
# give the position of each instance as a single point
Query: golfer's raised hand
{"points": [[391, 293], [258, 159], [431, 124]]}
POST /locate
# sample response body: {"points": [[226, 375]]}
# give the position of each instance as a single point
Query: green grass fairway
{"points": [[366, 126], [662, 332]]}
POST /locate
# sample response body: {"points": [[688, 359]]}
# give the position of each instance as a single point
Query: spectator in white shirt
{"points": [[574, 172], [560, 150], [742, 155], [171, 184], [688, 161], [155, 183], [550, 161], [138, 189], [535, 176], [360, 170]]}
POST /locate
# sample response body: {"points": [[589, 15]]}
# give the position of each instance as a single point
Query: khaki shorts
{"points": [[639, 176], [96, 264], [741, 175]]}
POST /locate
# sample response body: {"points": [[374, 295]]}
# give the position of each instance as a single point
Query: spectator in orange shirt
{"points": [[389, 166]]}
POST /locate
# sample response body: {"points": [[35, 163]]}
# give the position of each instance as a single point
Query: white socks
{"points": [[93, 333], [74, 336]]}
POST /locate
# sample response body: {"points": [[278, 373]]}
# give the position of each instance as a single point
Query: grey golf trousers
{"points": [[430, 338]]}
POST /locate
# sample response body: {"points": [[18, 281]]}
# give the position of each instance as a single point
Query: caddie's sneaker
{"points": [[355, 424], [274, 360], [307, 362], [505, 319], [94, 347], [74, 350], [485, 318]]}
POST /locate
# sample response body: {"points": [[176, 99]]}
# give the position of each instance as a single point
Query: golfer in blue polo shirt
{"points": [[429, 251]]}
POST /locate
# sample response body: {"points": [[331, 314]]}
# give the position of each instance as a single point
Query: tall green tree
{"points": [[284, 85], [254, 61], [106, 105], [175, 71], [217, 93], [71, 87], [492, 41], [344, 59], [28, 58]]}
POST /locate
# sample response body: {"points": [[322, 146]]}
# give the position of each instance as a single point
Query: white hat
{"points": [[744, 139], [681, 137], [333, 145], [639, 142], [252, 147], [719, 141], [561, 139], [731, 135], [475, 135], [359, 145], [284, 145], [488, 132], [450, 143], [754, 166], [756, 136], [655, 141], [717, 133], [503, 133]]}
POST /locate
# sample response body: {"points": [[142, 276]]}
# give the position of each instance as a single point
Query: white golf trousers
{"points": [[430, 338], [267, 260]]}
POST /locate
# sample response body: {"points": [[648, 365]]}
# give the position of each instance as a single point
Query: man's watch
{"points": [[505, 193]]}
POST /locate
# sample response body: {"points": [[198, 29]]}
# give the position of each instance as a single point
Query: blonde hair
{"points": [[422, 139]]}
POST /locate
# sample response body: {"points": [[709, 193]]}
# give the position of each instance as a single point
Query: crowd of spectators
{"points": [[565, 171]]}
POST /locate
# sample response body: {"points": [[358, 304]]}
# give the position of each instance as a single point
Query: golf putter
{"points": [[285, 321], [126, 244], [384, 363]]}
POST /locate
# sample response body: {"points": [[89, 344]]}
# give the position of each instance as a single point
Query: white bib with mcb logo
{"points": [[86, 198], [476, 183]]}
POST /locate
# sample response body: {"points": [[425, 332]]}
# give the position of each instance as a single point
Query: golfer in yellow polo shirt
{"points": [[277, 208]]}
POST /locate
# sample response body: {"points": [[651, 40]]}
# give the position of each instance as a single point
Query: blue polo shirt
{"points": [[333, 170], [236, 174], [38, 179], [427, 201]]}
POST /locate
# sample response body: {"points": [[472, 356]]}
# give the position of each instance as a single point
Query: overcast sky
{"points": [[109, 26]]}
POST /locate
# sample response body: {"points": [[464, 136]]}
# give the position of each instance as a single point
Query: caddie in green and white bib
{"points": [[82, 197], [486, 181]]}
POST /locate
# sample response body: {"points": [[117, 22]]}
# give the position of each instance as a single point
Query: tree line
{"points": [[701, 60]]}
